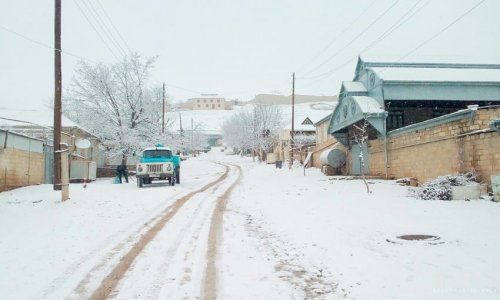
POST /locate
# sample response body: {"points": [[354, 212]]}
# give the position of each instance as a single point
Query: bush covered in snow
{"points": [[440, 188]]}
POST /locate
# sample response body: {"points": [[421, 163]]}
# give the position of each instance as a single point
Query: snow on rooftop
{"points": [[40, 117], [313, 111], [210, 121], [438, 74], [368, 104], [446, 59], [354, 86]]}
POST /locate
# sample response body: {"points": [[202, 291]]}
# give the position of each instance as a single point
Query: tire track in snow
{"points": [[110, 282], [121, 239], [182, 264], [185, 244], [209, 291]]}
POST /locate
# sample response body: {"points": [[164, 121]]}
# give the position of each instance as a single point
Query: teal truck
{"points": [[158, 163]]}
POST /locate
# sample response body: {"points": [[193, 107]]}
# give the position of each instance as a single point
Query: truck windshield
{"points": [[157, 153]]}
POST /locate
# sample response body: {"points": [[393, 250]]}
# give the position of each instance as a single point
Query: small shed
{"points": [[22, 161], [391, 95], [38, 123]]}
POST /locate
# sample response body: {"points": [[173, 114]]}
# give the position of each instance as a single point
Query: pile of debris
{"points": [[441, 187]]}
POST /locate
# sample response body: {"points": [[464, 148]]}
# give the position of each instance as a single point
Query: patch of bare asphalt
{"points": [[209, 288], [313, 281], [109, 283]]}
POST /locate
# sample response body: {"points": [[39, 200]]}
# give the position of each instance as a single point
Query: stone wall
{"points": [[427, 152], [20, 168]]}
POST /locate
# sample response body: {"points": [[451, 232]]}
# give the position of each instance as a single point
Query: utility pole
{"points": [[57, 96], [163, 111], [293, 120], [180, 125], [181, 132], [192, 134]]}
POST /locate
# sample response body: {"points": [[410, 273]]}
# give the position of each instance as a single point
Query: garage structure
{"points": [[391, 96]]}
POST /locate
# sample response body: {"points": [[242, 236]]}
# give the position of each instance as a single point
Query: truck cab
{"points": [[158, 163]]}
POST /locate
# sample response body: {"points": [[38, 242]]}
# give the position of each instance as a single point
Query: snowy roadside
{"points": [[330, 239], [48, 247], [285, 236]]}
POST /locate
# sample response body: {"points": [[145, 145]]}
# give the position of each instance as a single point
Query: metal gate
{"points": [[49, 163], [356, 158]]}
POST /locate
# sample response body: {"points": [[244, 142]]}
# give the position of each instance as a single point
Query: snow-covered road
{"points": [[273, 234], [170, 259], [60, 250]]}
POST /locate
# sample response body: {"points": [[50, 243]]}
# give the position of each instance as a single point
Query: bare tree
{"points": [[361, 138], [254, 128], [117, 103]]}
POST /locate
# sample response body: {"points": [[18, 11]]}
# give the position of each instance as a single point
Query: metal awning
{"points": [[353, 109]]}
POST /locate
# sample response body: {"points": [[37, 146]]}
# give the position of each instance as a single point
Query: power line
{"points": [[113, 25], [418, 46], [355, 38], [103, 26], [44, 45], [442, 30], [96, 31], [400, 22], [339, 35]]}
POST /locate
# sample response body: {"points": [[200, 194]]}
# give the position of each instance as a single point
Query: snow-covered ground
{"points": [[284, 236], [210, 121]]}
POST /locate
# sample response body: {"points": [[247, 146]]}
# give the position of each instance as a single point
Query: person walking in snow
{"points": [[122, 170]]}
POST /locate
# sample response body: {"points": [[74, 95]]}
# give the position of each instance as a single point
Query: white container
{"points": [[467, 192], [270, 158], [83, 169]]}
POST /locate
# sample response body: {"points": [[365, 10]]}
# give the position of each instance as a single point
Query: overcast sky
{"points": [[237, 48]]}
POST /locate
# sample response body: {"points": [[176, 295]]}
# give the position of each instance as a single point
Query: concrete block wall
{"points": [[450, 148], [20, 168]]}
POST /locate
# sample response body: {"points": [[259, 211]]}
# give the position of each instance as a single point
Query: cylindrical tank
{"points": [[334, 156]]}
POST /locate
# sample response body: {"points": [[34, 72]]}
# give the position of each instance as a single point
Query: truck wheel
{"points": [[172, 181], [139, 182], [178, 177]]}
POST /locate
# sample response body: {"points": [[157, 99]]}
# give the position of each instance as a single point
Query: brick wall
{"points": [[20, 168], [457, 146]]}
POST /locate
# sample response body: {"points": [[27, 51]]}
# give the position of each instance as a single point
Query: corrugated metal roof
{"points": [[438, 74]]}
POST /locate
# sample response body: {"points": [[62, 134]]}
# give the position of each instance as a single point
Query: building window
{"points": [[218, 100], [198, 105], [204, 100], [218, 105], [206, 105], [198, 100], [395, 120], [213, 106], [211, 100]]}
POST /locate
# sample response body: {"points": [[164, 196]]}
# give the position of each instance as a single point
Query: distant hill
{"points": [[210, 121], [281, 99]]}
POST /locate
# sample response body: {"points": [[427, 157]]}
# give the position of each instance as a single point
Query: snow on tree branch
{"points": [[253, 128], [118, 103]]}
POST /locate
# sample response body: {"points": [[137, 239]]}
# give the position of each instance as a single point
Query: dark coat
{"points": [[121, 169]]}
